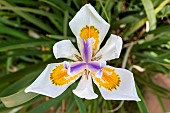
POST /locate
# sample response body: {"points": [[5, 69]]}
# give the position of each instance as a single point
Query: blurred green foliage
{"points": [[29, 28]]}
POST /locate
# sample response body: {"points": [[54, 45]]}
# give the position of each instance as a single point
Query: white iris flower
{"points": [[90, 63]]}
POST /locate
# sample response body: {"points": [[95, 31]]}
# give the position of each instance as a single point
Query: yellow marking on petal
{"points": [[109, 80], [60, 77], [90, 32]]}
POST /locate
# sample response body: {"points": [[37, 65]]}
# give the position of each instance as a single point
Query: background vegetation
{"points": [[29, 28]]}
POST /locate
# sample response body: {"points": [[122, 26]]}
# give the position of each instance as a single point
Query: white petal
{"points": [[65, 49], [44, 86], [85, 88], [126, 90], [111, 49], [87, 15]]}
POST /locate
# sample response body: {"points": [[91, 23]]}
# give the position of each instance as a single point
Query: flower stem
{"points": [[127, 55]]}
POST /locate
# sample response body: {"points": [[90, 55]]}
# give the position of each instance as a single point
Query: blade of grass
{"points": [[17, 98], [57, 25], [3, 109], [8, 64], [160, 29], [141, 104], [13, 32], [66, 17], [162, 5], [71, 105], [76, 4], [9, 22], [25, 81], [31, 10], [59, 37], [104, 11], [80, 104], [155, 87], [142, 22], [125, 20], [52, 4], [19, 74], [64, 6], [10, 45], [149, 9], [162, 104], [52, 102], [30, 18], [26, 2], [24, 52]]}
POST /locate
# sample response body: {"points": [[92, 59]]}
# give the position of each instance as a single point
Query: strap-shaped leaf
{"points": [[141, 104], [80, 104], [17, 98], [149, 9]]}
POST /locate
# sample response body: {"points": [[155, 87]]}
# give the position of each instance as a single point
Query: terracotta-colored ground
{"points": [[152, 100]]}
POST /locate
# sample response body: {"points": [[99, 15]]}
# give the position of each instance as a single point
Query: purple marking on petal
{"points": [[96, 65], [77, 66], [66, 65], [87, 50]]}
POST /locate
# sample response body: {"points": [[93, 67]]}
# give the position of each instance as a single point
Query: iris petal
{"points": [[88, 16], [125, 91], [111, 49], [43, 85], [85, 88], [65, 49]]}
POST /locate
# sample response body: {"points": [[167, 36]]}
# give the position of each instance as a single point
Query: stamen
{"points": [[78, 57], [109, 80], [90, 32], [86, 73], [97, 58], [60, 77]]}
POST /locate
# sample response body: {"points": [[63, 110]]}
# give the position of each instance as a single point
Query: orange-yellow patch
{"points": [[60, 77], [90, 32], [109, 80]]}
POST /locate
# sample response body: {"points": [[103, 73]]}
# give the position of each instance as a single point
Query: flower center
{"points": [[90, 32]]}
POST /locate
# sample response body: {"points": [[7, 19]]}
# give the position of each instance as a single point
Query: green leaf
{"points": [[24, 52], [149, 9], [104, 11], [160, 29], [13, 32], [31, 10], [162, 104], [71, 105], [52, 102], [30, 18], [19, 74], [25, 81], [64, 6], [141, 104], [80, 104], [139, 24], [10, 45], [155, 87], [17, 98]]}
